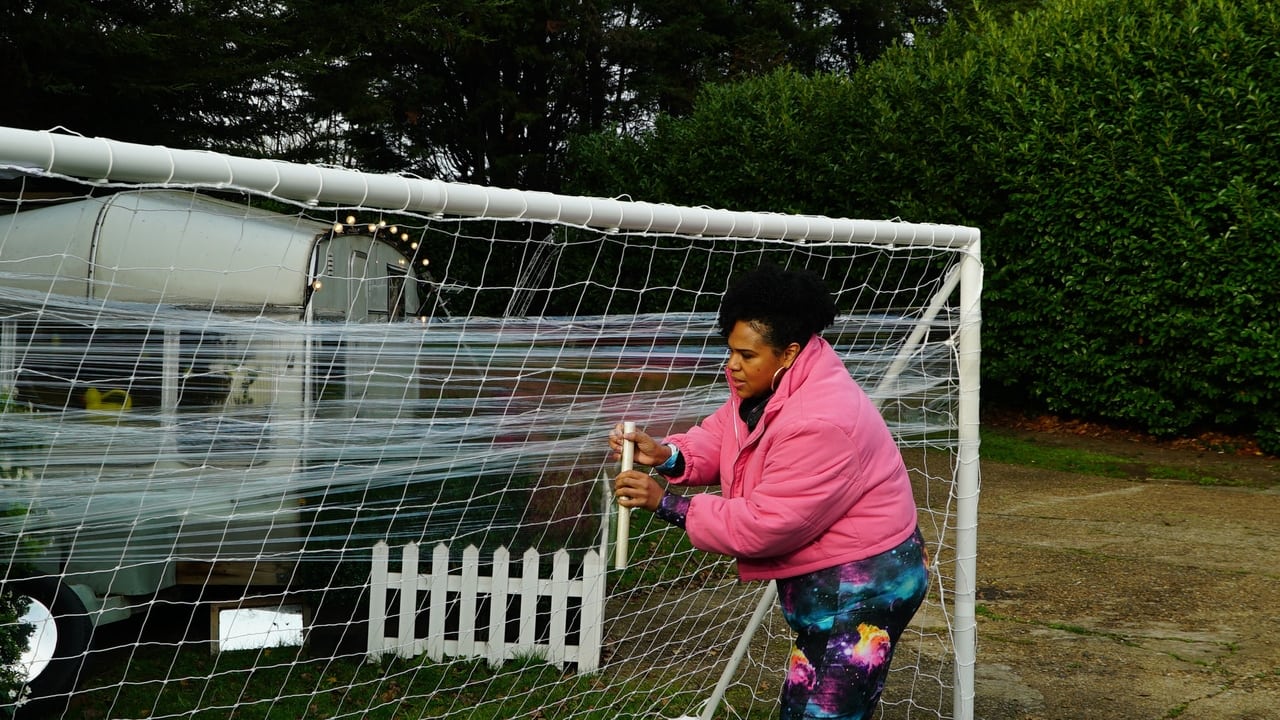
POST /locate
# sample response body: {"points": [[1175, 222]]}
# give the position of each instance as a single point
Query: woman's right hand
{"points": [[648, 451], [635, 489]]}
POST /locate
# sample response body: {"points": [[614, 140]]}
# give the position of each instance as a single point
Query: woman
{"points": [[814, 493]]}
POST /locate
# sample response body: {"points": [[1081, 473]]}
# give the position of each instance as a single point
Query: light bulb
{"points": [[337, 227], [351, 219], [425, 262], [316, 284]]}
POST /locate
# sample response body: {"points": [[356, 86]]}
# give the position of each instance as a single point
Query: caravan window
{"points": [[65, 366], [221, 373], [328, 370], [226, 394], [396, 293]]}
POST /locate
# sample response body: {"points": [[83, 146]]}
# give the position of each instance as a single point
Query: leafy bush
{"points": [[1133, 271], [823, 144], [13, 640]]}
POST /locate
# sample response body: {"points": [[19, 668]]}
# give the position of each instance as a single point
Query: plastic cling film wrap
{"points": [[201, 436]]}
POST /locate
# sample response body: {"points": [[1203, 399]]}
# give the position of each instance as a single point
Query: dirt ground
{"points": [[1129, 598]]}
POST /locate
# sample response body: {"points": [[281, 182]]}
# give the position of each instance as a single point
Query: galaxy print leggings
{"points": [[847, 621]]}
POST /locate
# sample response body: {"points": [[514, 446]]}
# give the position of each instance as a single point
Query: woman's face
{"points": [[753, 362]]}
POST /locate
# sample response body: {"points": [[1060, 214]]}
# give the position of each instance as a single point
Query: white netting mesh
{"points": [[220, 400]]}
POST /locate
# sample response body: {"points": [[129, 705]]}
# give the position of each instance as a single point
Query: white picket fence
{"points": [[470, 636]]}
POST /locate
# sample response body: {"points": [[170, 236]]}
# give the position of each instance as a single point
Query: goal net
{"points": [[295, 441]]}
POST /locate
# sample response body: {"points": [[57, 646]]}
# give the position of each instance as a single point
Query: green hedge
{"points": [[1138, 151], [1119, 156]]}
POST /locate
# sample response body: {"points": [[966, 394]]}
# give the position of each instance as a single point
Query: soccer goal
{"points": [[285, 440]]}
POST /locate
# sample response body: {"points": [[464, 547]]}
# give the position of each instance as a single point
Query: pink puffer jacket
{"points": [[820, 482]]}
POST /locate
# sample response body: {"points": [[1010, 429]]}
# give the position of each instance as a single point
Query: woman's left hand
{"points": [[635, 489], [648, 451]]}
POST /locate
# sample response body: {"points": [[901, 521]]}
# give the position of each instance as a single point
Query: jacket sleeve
{"points": [[700, 447], [810, 479]]}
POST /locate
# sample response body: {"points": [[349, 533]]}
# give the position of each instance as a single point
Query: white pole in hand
{"points": [[624, 513]]}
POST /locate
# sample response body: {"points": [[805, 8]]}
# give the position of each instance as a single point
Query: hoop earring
{"points": [[773, 384]]}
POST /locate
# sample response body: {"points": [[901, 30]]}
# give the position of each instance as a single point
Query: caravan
{"points": [[160, 375]]}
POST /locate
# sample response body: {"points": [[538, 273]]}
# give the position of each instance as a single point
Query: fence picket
{"points": [[378, 599], [591, 629], [468, 591], [405, 644], [498, 606], [439, 587], [559, 592], [528, 598]]}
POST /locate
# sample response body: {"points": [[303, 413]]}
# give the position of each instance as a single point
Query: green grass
{"points": [[986, 612], [161, 679], [1011, 449], [284, 683]]}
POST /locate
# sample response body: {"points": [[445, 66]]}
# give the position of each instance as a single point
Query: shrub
{"points": [[1133, 274]]}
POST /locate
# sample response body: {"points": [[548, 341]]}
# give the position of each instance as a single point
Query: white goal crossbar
{"points": [[120, 162]]}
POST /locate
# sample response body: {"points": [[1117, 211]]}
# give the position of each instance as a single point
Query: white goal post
{"points": [[210, 361]]}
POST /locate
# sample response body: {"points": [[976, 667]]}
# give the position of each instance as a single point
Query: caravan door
{"points": [[359, 278]]}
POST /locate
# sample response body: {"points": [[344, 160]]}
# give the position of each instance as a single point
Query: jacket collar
{"points": [[795, 376], [789, 382]]}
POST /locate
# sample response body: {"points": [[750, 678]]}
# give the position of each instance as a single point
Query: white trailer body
{"points": [[166, 416]]}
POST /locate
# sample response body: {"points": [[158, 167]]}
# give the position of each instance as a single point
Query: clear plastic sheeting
{"points": [[171, 433]]}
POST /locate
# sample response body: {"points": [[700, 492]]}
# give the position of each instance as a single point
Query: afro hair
{"points": [[787, 305]]}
